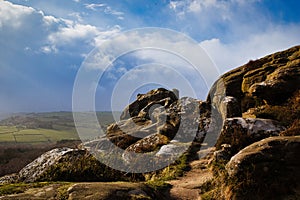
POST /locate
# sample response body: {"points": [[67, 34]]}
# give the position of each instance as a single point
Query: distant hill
{"points": [[4, 115]]}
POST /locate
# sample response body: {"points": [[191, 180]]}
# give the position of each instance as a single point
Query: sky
{"points": [[44, 44]]}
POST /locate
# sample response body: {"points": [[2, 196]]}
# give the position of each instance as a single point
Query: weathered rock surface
{"points": [[224, 154], [159, 123], [36, 169], [241, 132], [117, 190], [157, 118], [266, 93], [162, 119], [268, 169], [144, 102], [149, 143], [87, 190], [66, 164], [230, 107], [272, 80]]}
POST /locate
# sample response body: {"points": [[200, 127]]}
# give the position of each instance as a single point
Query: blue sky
{"points": [[44, 43]]}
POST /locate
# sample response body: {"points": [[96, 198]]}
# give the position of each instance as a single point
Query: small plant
{"points": [[62, 192], [158, 185], [170, 172], [15, 188], [210, 195], [12, 189]]}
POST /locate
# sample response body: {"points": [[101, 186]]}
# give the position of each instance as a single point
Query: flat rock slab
{"points": [[50, 192], [87, 190], [113, 190]]}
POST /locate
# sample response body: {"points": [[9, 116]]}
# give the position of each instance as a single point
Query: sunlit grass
{"points": [[59, 126]]}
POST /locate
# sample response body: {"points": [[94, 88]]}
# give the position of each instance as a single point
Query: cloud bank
{"points": [[43, 43]]}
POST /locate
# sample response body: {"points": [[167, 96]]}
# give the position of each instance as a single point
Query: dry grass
{"points": [[287, 114]]}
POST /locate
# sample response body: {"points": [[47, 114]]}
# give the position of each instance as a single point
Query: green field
{"points": [[48, 127], [13, 134]]}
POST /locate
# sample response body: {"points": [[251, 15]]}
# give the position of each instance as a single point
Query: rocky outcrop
{"points": [[36, 169], [159, 124], [240, 132], [66, 164], [247, 111], [229, 107], [268, 169], [258, 103], [272, 80], [157, 119], [150, 114], [144, 102]]}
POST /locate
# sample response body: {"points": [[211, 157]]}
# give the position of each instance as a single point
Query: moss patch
{"points": [[6, 189], [170, 172]]}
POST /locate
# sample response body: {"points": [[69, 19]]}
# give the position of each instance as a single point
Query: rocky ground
{"points": [[250, 120]]}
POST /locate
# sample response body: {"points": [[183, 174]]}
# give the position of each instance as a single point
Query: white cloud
{"points": [[102, 36], [23, 27], [166, 46], [48, 49], [105, 8], [166, 55], [196, 6], [240, 29], [212, 17], [178, 6], [239, 52], [94, 6], [50, 33], [14, 15], [151, 74], [72, 32], [109, 10], [49, 20], [77, 16]]}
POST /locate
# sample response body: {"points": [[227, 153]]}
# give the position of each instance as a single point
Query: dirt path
{"points": [[188, 186]]}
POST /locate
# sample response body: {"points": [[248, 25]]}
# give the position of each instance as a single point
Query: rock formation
{"points": [[263, 164], [157, 118], [270, 80], [268, 169], [241, 132], [66, 164], [251, 116]]}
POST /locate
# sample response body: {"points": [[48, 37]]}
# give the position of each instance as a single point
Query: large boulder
{"points": [[126, 132], [150, 114], [185, 120], [241, 132], [268, 169], [148, 144], [144, 102], [158, 122], [229, 107], [66, 164], [35, 170]]}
